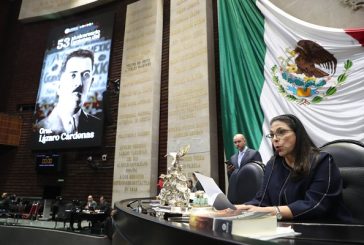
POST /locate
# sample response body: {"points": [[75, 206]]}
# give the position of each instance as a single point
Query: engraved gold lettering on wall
{"points": [[190, 103], [136, 151]]}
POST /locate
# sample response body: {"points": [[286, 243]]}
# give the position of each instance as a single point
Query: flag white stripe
{"points": [[341, 116]]}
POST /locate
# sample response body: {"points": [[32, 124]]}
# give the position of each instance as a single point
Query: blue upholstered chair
{"points": [[247, 182]]}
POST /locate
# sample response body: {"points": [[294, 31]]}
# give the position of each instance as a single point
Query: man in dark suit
{"points": [[76, 79], [104, 206], [237, 161]]}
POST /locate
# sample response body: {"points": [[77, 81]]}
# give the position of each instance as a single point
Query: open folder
{"points": [[215, 196]]}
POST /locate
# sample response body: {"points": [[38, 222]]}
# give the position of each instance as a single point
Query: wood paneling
{"points": [[10, 129]]}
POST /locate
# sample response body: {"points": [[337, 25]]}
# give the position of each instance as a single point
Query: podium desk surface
{"points": [[136, 223]]}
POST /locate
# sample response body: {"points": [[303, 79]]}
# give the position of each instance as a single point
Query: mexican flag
{"points": [[272, 63]]}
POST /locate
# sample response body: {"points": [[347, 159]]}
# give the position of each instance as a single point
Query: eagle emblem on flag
{"points": [[307, 73]]}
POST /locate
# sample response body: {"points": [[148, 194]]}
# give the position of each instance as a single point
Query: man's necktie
{"points": [[240, 157], [70, 126]]}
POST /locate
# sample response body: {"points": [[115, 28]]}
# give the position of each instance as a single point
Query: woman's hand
{"points": [[252, 208], [285, 210]]}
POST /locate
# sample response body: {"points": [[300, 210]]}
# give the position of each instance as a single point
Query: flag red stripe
{"points": [[358, 34]]}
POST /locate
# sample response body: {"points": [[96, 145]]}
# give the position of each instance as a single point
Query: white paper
{"points": [[215, 196], [281, 232], [211, 199], [209, 185]]}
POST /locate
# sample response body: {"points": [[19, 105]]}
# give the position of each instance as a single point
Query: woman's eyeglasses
{"points": [[279, 133]]}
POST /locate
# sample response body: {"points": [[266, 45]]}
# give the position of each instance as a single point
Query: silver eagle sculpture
{"points": [[175, 192]]}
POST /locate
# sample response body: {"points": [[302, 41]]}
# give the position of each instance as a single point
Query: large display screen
{"points": [[69, 109]]}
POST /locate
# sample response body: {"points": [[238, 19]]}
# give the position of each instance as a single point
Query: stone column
{"points": [[192, 102], [136, 150]]}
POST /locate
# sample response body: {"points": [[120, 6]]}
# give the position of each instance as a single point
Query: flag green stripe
{"points": [[242, 51]]}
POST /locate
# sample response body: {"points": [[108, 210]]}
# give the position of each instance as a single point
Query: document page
{"points": [[215, 196]]}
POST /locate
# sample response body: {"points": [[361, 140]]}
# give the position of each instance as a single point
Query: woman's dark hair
{"points": [[304, 147]]}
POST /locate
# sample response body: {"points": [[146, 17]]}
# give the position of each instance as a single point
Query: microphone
{"points": [[266, 187]]}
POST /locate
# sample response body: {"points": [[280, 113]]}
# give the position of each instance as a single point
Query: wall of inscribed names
{"points": [[191, 105], [136, 149]]}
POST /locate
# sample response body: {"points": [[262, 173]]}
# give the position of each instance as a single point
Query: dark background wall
{"points": [[22, 47]]}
